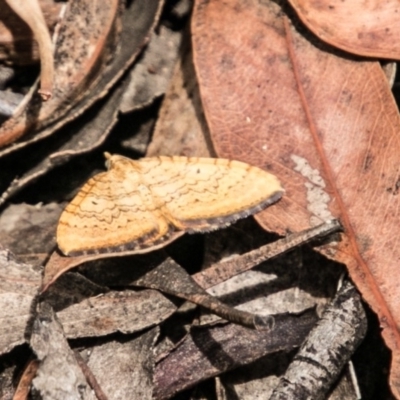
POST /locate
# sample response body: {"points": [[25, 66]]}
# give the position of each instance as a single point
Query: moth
{"points": [[140, 205]]}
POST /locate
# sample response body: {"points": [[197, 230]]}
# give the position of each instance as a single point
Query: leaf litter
{"points": [[267, 285]]}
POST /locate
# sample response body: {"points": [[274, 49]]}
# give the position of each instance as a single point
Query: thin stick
{"points": [[90, 378], [224, 270]]}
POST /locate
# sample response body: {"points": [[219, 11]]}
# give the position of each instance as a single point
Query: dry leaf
{"points": [[367, 28], [28, 231], [58, 264], [334, 145], [209, 351], [16, 42], [125, 312], [58, 376], [18, 288], [75, 61], [118, 375], [31, 13], [25, 382]]}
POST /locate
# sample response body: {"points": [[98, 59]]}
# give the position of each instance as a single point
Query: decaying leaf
{"points": [[334, 145], [59, 264], [25, 382], [126, 312]]}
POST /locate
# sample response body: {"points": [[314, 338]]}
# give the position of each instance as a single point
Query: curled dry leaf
{"points": [[88, 135], [326, 125], [329, 345], [31, 13], [367, 28], [81, 50], [59, 264], [25, 382], [16, 42]]}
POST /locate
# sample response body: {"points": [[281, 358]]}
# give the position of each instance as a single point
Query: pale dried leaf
{"points": [[125, 312], [18, 288], [59, 376], [124, 368]]}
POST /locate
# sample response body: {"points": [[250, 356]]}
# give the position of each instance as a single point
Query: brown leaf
{"points": [[31, 13], [367, 28], [326, 125], [59, 264]]}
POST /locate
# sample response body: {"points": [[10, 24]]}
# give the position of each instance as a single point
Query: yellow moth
{"points": [[139, 205]]}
